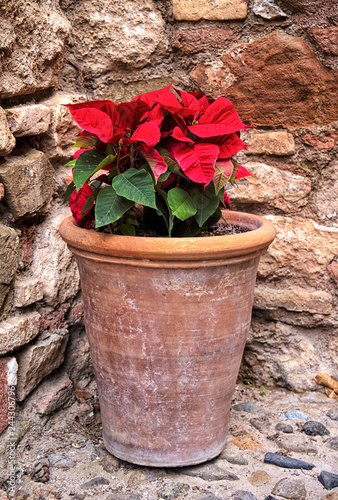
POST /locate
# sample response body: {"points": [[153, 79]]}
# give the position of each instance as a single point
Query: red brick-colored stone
{"points": [[321, 142], [326, 39], [27, 242], [273, 81], [54, 320], [76, 315], [333, 270], [203, 39]]}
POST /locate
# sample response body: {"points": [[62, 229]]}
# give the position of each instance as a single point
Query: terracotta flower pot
{"points": [[167, 320]]}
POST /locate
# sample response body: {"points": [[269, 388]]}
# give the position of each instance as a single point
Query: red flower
{"points": [[77, 202]]}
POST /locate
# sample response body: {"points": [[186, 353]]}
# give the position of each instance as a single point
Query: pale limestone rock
{"points": [[38, 360], [29, 183], [52, 393], [298, 444], [27, 291], [267, 9], [280, 354], [194, 10], [294, 299], [302, 250], [18, 331], [28, 120], [270, 143], [123, 92], [7, 139], [53, 264], [58, 142], [326, 195], [108, 34], [34, 35], [271, 186]]}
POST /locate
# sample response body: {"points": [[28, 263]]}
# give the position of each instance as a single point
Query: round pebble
{"points": [[248, 407], [312, 428], [287, 428], [333, 443], [294, 415], [333, 413], [290, 488]]}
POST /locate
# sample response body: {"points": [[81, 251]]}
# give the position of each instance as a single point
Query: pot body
{"points": [[166, 337]]}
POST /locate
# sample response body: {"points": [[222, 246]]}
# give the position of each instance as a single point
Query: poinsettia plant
{"points": [[163, 158]]}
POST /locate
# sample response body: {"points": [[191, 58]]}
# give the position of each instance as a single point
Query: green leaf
{"points": [[186, 228], [220, 196], [206, 202], [86, 165], [164, 177], [110, 207], [131, 218], [70, 163], [181, 203], [85, 142], [136, 185], [233, 175], [214, 218], [223, 172], [69, 191], [128, 229]]}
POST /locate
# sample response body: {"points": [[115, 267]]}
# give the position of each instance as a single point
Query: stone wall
{"points": [[276, 60]]}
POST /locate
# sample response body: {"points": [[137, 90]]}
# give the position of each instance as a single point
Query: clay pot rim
{"points": [[261, 234]]}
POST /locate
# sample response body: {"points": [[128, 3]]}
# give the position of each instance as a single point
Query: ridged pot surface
{"points": [[167, 320]]}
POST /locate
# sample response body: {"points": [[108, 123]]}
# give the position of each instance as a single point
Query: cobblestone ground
{"points": [[62, 455]]}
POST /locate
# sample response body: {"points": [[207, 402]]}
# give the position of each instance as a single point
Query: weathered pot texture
{"points": [[167, 320]]}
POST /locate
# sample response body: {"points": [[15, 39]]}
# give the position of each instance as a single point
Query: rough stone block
{"points": [[29, 183], [34, 37], [281, 354], [294, 299], [53, 264], [271, 186], [325, 39], [333, 270], [222, 10], [122, 92], [9, 253], [52, 393], [326, 195], [321, 142], [8, 370], [28, 120], [256, 77], [27, 291], [78, 361], [58, 142], [39, 360], [18, 331], [302, 249], [267, 9], [195, 40], [132, 33], [7, 139], [9, 261], [271, 143]]}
